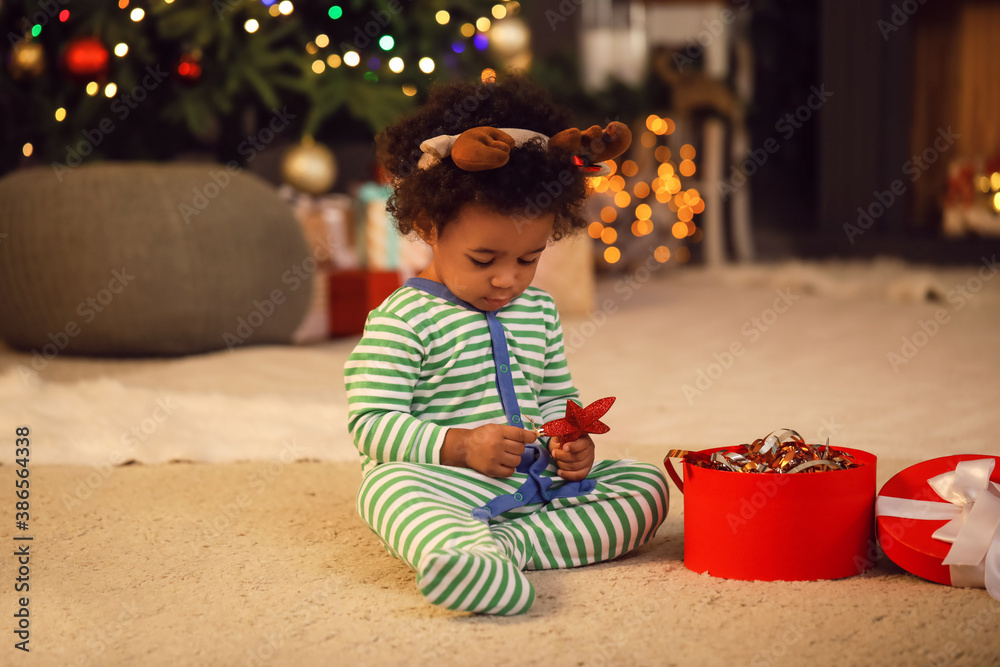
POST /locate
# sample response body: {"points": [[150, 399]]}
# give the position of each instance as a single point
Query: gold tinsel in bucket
{"points": [[783, 451]]}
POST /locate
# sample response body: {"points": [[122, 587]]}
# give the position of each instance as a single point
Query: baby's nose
{"points": [[503, 279]]}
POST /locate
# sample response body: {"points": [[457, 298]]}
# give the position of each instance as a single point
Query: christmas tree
{"points": [[150, 79]]}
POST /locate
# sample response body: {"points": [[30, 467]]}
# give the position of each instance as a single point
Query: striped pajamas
{"points": [[424, 365]]}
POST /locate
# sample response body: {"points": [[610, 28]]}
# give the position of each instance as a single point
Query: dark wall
{"points": [[865, 128]]}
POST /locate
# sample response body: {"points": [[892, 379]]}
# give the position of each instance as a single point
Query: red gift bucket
{"points": [[778, 527]]}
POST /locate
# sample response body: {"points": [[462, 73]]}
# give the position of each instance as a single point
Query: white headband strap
{"points": [[437, 148]]}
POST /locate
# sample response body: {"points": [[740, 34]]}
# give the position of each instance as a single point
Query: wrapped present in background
{"points": [[328, 225], [972, 203], [380, 246], [353, 294]]}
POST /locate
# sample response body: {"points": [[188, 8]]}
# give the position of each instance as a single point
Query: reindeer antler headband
{"points": [[482, 148]]}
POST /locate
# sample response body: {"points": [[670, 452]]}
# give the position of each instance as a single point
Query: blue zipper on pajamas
{"points": [[535, 459]]}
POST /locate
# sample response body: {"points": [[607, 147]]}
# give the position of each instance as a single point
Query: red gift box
{"points": [[354, 294], [778, 527], [939, 520]]}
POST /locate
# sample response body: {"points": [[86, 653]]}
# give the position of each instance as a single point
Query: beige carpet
{"points": [[253, 555]]}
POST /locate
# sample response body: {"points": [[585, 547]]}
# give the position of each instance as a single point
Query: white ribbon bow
{"points": [[974, 510]]}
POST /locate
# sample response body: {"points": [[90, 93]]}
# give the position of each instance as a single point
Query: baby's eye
{"points": [[480, 264], [527, 262]]}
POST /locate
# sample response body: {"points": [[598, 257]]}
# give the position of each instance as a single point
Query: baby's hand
{"points": [[575, 459], [492, 449]]}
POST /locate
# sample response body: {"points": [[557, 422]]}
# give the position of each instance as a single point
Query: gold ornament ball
{"points": [[27, 60], [309, 167]]}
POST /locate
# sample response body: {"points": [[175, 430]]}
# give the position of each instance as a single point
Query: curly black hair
{"points": [[534, 181]]}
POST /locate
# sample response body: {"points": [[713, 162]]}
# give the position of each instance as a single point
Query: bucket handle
{"points": [[673, 474]]}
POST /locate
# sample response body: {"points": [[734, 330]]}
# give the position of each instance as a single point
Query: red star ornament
{"points": [[579, 420]]}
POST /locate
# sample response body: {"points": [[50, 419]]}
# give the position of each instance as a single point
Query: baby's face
{"points": [[487, 258]]}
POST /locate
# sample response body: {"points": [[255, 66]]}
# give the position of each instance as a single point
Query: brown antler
{"points": [[595, 144], [482, 148]]}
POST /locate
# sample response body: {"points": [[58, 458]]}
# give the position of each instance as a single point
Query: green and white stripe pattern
{"points": [[424, 365]]}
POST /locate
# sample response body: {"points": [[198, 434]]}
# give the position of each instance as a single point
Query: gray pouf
{"points": [[148, 259]]}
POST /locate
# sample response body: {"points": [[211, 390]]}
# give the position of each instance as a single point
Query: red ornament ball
{"points": [[189, 68], [86, 57]]}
